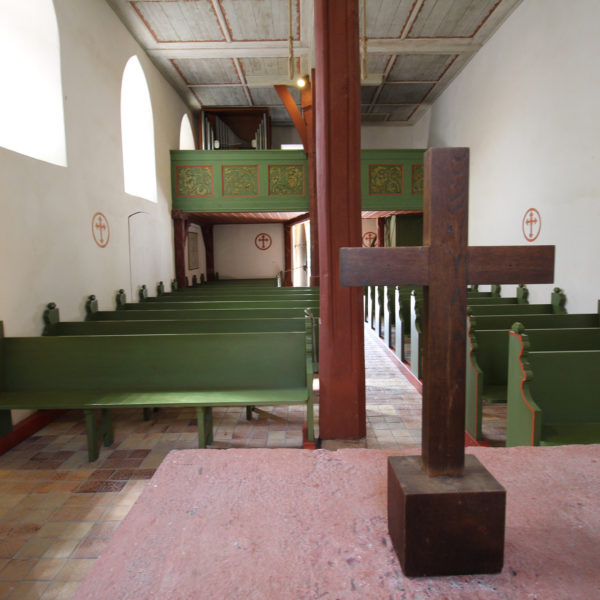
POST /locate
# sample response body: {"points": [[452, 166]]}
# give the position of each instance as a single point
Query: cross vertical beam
{"points": [[445, 226]]}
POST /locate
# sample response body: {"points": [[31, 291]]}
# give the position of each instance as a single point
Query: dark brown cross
{"points": [[445, 265]]}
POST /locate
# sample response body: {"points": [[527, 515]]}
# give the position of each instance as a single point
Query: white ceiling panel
{"points": [[232, 52], [458, 18], [180, 21], [221, 96], [404, 93], [260, 19], [419, 67], [208, 70]]}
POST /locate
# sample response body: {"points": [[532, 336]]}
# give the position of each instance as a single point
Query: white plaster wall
{"points": [[237, 257], [46, 248], [368, 225], [375, 137], [527, 106], [372, 136], [284, 135]]}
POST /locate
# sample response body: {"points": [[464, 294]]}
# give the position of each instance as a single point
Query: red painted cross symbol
{"points": [[100, 230], [101, 226], [531, 219], [368, 239], [263, 241]]}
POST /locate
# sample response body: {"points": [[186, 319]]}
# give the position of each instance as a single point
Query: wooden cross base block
{"points": [[445, 525]]}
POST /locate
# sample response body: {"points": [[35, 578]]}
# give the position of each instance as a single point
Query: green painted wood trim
{"points": [[277, 180]]}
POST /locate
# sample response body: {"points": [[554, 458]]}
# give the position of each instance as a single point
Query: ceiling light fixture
{"points": [[301, 82]]}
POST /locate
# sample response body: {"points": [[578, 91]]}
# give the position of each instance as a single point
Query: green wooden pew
{"points": [[487, 357], [194, 370], [122, 304], [554, 393], [514, 311], [473, 292], [54, 326]]}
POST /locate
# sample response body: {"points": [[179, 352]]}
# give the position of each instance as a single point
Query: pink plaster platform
{"points": [[299, 524]]}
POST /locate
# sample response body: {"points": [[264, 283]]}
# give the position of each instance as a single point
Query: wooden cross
{"points": [[445, 265]]}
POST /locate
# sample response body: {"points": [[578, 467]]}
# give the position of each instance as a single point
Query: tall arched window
{"points": [[137, 132], [31, 103], [186, 135]]}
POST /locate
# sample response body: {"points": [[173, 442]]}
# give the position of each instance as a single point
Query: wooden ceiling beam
{"points": [[294, 112]]}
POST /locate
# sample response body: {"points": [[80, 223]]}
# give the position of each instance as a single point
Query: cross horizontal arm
{"points": [[510, 264], [410, 265], [385, 266]]}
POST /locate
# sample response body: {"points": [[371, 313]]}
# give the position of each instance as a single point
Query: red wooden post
{"points": [[180, 225], [337, 102], [380, 232], [209, 247], [288, 250]]}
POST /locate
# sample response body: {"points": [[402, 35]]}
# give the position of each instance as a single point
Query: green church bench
{"points": [[557, 305], [224, 304], [54, 326], [230, 297], [553, 395], [403, 318], [147, 314], [200, 293], [487, 357], [194, 370], [389, 315], [473, 292], [511, 311]]}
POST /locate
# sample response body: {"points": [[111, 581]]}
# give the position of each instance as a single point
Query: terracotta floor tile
{"points": [[51, 530], [61, 549], [75, 531], [9, 547], [17, 569], [28, 590], [6, 587], [77, 514], [90, 486], [115, 513], [60, 590], [35, 548], [103, 531], [112, 486], [90, 548], [45, 569], [75, 569]]}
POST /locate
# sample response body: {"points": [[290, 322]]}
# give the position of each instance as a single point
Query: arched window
{"points": [[137, 132], [186, 135], [31, 103]]}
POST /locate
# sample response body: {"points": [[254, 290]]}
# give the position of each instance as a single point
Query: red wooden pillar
{"points": [[288, 250], [180, 226], [380, 232], [209, 247], [307, 101], [337, 119]]}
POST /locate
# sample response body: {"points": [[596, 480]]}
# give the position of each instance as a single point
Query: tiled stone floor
{"points": [[58, 511]]}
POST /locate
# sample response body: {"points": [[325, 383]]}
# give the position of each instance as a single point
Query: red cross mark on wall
{"points": [[100, 230], [369, 239], [263, 241], [532, 224]]}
